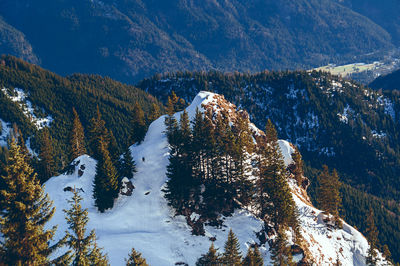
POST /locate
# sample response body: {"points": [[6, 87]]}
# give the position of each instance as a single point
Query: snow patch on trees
{"points": [[19, 96]]}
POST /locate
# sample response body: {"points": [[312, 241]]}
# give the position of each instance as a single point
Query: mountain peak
{"points": [[146, 222]]}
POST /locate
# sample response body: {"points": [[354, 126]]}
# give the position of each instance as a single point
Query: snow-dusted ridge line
{"points": [[27, 108], [144, 220]]}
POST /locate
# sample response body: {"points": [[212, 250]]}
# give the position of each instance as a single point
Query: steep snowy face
{"points": [[145, 221]]}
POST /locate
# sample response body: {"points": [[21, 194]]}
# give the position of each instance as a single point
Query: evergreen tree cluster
{"points": [[208, 164], [275, 200], [106, 181], [328, 191]]}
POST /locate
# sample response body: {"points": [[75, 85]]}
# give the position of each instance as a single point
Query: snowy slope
{"points": [[145, 222]]}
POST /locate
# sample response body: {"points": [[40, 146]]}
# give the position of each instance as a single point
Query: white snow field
{"points": [[145, 221]]}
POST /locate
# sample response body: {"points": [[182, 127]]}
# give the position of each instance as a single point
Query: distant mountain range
{"points": [[129, 40]]}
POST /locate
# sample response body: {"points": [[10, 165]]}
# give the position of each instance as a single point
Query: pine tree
{"points": [[77, 138], [298, 170], [242, 146], [82, 245], [171, 103], [181, 186], [211, 258], [46, 155], [106, 185], [113, 148], [26, 211], [257, 258], [174, 104], [372, 236], [197, 145], [232, 255], [135, 259], [16, 134], [249, 259], [97, 132], [253, 257], [328, 191], [127, 166], [138, 124], [280, 251], [275, 188], [155, 113]]}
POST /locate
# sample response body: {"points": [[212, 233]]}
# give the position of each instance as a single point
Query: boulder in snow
{"points": [[127, 187]]}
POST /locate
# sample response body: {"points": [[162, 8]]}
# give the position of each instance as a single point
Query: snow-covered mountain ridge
{"points": [[145, 221]]}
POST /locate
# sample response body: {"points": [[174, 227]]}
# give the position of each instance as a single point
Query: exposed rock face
{"points": [[127, 187]]}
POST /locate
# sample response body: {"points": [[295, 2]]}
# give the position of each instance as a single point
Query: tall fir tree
{"points": [[211, 258], [26, 211], [155, 113], [77, 138], [46, 155], [253, 257], [175, 104], [328, 193], [113, 148], [127, 165], [275, 188], [97, 132], [106, 184], [197, 145], [15, 133], [82, 245], [232, 255], [372, 236], [257, 258], [172, 103], [181, 185], [138, 124], [135, 259], [248, 260], [298, 166], [242, 147]]}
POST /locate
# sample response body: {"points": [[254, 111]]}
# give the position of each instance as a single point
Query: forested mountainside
{"points": [[129, 40], [335, 122], [34, 98], [188, 194], [14, 42], [383, 13]]}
